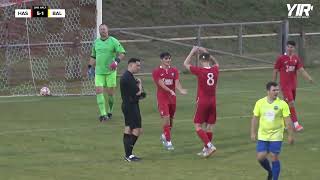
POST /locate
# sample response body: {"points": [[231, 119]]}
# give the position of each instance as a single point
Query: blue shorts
{"points": [[269, 146]]}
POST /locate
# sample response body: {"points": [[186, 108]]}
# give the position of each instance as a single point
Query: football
{"points": [[45, 91]]}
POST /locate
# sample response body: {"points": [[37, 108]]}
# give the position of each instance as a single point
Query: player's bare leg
{"points": [[171, 123], [101, 104], [294, 118], [166, 135]]}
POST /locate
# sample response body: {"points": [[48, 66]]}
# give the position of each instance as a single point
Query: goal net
{"points": [[52, 52]]}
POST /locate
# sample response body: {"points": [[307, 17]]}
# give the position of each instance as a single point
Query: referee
{"points": [[131, 92]]}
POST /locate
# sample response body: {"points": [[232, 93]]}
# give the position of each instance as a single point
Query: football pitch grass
{"points": [[60, 138]]}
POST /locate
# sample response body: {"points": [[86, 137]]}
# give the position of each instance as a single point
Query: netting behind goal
{"points": [[54, 52]]}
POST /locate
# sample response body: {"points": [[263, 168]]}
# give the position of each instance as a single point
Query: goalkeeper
{"points": [[106, 55]]}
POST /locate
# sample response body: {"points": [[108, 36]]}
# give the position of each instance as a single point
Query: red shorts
{"points": [[289, 95], [167, 110], [205, 113]]}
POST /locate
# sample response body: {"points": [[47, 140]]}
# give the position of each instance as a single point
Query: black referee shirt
{"points": [[129, 88]]}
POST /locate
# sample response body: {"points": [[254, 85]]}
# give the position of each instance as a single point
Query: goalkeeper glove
{"points": [[114, 64]]}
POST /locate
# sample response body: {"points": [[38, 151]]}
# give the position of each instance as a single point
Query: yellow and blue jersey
{"points": [[271, 118]]}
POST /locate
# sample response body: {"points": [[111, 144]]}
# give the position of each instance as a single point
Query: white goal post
{"points": [[37, 52]]}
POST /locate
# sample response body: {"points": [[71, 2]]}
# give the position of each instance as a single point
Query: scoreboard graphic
{"points": [[40, 11]]}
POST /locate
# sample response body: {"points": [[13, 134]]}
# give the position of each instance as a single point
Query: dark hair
{"points": [[164, 54], [292, 43], [133, 60], [204, 56], [270, 84]]}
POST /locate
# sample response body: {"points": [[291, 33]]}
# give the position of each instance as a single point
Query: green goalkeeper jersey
{"points": [[104, 52]]}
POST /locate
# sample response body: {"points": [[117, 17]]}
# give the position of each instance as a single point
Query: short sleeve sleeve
{"points": [[155, 75], [256, 109], [277, 64], [118, 47], [194, 70], [299, 63], [176, 72]]}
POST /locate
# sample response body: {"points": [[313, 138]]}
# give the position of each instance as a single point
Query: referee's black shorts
{"points": [[132, 116]]}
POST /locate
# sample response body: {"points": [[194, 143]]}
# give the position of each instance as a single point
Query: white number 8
{"points": [[210, 80]]}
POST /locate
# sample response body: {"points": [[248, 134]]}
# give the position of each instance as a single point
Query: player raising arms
{"points": [[167, 80], [205, 114], [288, 65]]}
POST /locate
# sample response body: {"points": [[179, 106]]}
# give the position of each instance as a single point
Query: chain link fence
{"points": [[39, 52]]}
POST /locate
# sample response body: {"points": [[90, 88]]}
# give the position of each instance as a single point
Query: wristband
{"points": [[117, 59]]}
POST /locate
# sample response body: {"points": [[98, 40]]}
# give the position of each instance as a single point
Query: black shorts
{"points": [[132, 116]]}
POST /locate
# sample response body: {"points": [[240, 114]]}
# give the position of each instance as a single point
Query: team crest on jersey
{"points": [[172, 74], [276, 107]]}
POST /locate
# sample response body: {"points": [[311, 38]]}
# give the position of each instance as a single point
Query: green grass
{"points": [[60, 137]]}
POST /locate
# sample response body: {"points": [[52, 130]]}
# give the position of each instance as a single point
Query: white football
{"points": [[45, 91]]}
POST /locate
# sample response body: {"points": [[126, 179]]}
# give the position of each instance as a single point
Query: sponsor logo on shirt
{"points": [[290, 68], [167, 82], [269, 115]]}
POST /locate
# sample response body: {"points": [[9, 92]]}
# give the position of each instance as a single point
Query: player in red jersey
{"points": [[205, 114], [166, 79], [288, 65]]}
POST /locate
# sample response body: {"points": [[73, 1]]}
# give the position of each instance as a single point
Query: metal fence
{"points": [[43, 56]]}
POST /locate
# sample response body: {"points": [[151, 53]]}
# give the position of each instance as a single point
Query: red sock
{"points": [[166, 132], [203, 136], [293, 114], [209, 134]]}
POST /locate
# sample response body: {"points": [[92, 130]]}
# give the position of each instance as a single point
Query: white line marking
{"points": [[108, 124]]}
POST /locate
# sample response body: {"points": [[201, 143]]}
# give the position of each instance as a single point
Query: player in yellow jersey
{"points": [[271, 114]]}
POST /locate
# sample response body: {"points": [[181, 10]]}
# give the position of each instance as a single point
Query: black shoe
{"points": [[269, 176], [103, 118], [109, 115], [132, 158]]}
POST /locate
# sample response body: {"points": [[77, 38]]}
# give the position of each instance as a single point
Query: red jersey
{"points": [[169, 77], [207, 82], [288, 70]]}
